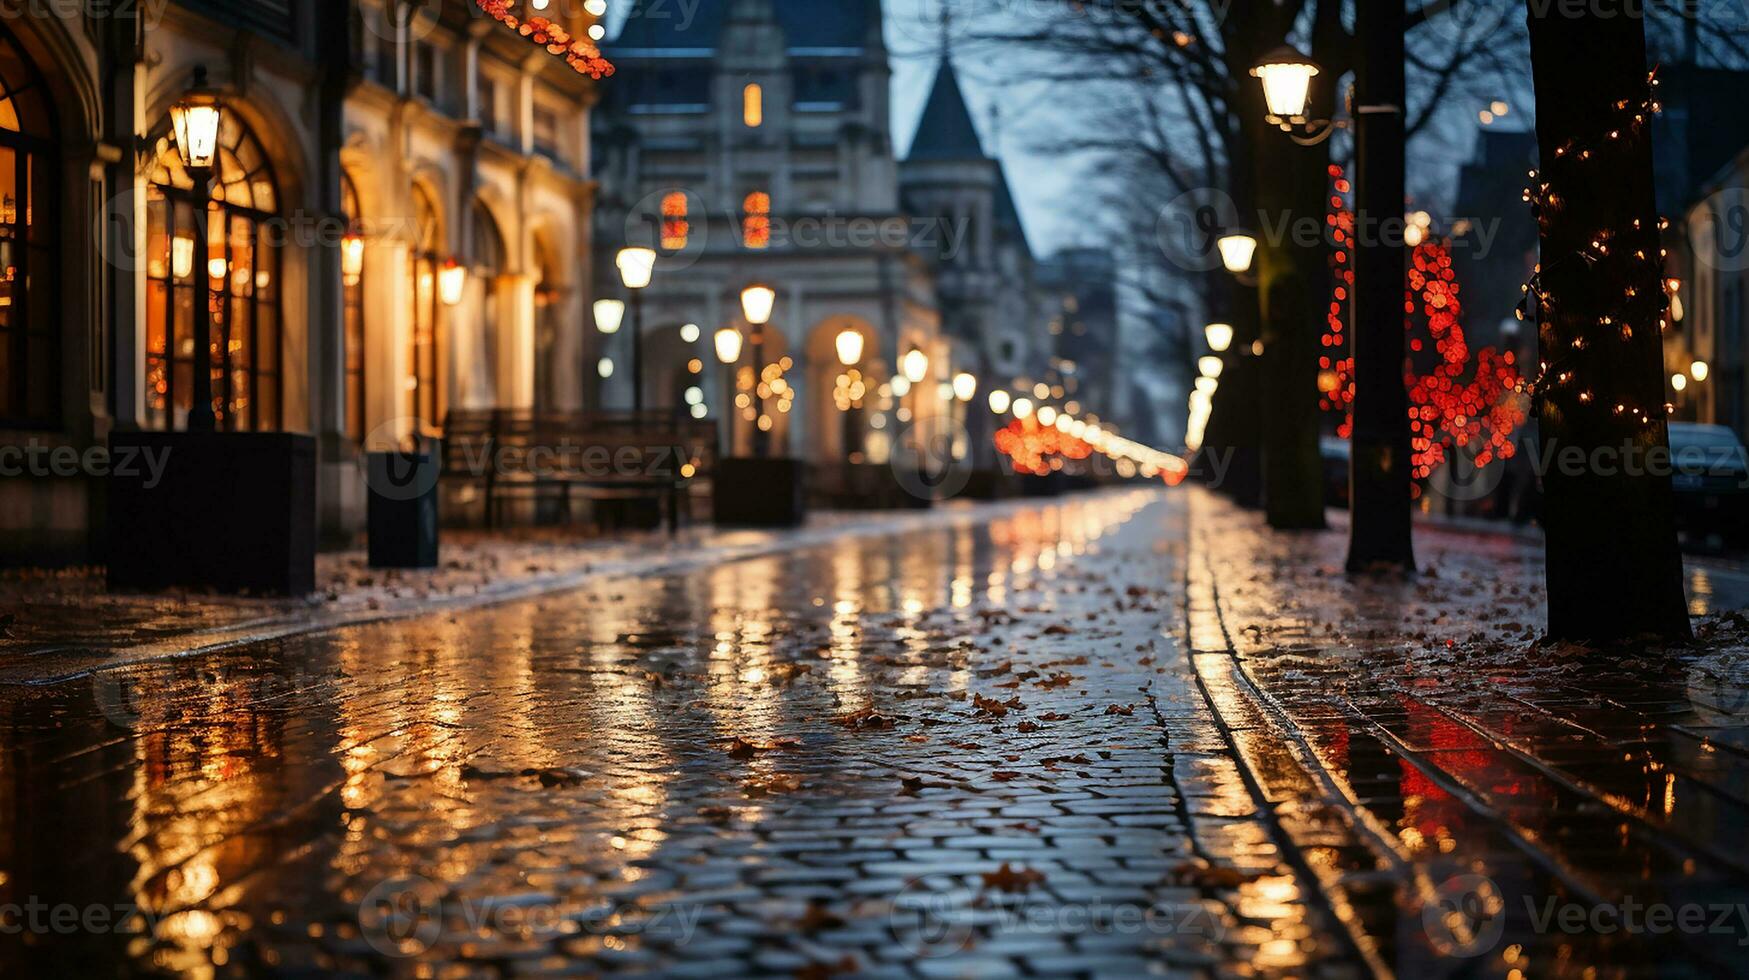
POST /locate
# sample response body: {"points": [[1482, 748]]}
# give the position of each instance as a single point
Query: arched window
{"points": [[424, 398], [489, 265], [242, 266], [30, 362], [676, 228], [352, 286], [756, 220]]}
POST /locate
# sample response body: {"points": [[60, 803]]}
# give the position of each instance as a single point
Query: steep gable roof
{"points": [[946, 131]]}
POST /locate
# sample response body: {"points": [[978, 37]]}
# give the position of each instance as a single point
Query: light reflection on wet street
{"points": [[1119, 734]]}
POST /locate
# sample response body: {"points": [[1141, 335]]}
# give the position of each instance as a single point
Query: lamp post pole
{"points": [[638, 354], [200, 415]]}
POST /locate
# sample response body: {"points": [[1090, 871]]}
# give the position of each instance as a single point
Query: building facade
{"points": [[366, 150], [751, 142]]}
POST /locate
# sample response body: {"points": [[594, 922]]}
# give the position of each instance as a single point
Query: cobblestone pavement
{"points": [[958, 751], [1117, 735], [1556, 811]]}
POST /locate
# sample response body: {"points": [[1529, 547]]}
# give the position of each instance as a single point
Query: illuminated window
{"points": [[753, 106], [29, 302], [756, 220], [422, 394], [675, 227], [352, 287], [242, 266]]}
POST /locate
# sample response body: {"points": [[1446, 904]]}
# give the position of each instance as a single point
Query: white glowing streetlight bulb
{"points": [[1219, 336], [757, 303], [604, 367], [850, 345], [452, 282], [1287, 81], [728, 343], [1238, 250], [1210, 366], [689, 333], [609, 314], [637, 266], [999, 401], [1047, 416], [1022, 408], [915, 365], [195, 120], [1698, 370], [965, 386], [1207, 384], [1679, 381]]}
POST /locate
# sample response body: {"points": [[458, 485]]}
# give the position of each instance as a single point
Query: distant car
{"points": [[1711, 479], [1335, 452]]}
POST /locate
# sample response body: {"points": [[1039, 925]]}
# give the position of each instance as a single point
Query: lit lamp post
{"points": [[637, 265], [728, 343], [452, 282], [757, 303], [1238, 251], [1219, 337], [850, 346], [195, 119]]}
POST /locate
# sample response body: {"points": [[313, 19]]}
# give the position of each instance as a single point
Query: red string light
{"points": [[582, 55]]}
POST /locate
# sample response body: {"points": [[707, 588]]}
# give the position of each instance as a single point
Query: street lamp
{"points": [[637, 266], [850, 346], [1219, 336], [609, 314], [1210, 366], [915, 366], [1287, 82], [757, 303], [728, 343], [965, 386], [452, 282], [999, 401], [1698, 370], [352, 257], [195, 119], [1237, 251], [1022, 408]]}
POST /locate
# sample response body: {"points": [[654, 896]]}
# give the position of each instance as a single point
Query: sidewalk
{"points": [[62, 624], [1449, 780]]}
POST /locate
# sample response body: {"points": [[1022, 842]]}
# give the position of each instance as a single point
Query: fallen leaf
{"points": [[1011, 879]]}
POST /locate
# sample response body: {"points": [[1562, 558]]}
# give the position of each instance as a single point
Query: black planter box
{"points": [[759, 492], [230, 512], [402, 519]]}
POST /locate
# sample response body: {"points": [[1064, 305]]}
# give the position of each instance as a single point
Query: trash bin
{"points": [[403, 509]]}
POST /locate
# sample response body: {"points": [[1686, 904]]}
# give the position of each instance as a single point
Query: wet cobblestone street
{"points": [[1118, 735]]}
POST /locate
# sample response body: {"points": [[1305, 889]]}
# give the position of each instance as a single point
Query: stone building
{"points": [[365, 148]]}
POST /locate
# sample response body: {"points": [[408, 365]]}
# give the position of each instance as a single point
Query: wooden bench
{"points": [[510, 455]]}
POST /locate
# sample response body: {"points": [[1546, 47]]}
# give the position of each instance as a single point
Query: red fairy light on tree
{"points": [[581, 54], [1458, 398]]}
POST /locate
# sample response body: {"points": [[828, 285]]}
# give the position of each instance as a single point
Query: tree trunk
{"points": [[1614, 571], [1379, 531]]}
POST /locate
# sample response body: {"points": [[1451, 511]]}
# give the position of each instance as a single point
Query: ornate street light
{"points": [[1237, 251], [195, 118], [850, 347], [965, 386], [609, 314], [452, 282], [728, 344], [637, 266], [1219, 336], [915, 366], [1287, 82], [757, 303]]}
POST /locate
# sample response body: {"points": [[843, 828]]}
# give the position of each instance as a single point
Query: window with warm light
{"points": [[676, 228], [352, 285], [422, 398], [753, 106], [756, 220], [29, 164], [242, 266]]}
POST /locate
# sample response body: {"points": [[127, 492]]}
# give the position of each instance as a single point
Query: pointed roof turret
{"points": [[946, 131]]}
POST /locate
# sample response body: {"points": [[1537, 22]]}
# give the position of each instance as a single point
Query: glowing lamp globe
{"points": [[965, 386], [1219, 336], [452, 282], [637, 266], [999, 401], [915, 365], [1698, 370], [728, 344], [850, 345], [1237, 251], [609, 314], [1287, 76], [1210, 366], [195, 120], [352, 258], [757, 303]]}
